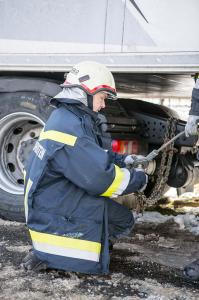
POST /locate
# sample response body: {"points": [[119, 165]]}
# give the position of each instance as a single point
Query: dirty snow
{"points": [[189, 222], [146, 265]]}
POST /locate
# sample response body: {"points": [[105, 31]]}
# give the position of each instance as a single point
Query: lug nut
{"points": [[23, 144], [32, 142]]}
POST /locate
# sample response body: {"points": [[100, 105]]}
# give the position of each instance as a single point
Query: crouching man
{"points": [[70, 180]]}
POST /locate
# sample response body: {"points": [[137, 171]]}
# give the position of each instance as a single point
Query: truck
{"points": [[152, 49]]}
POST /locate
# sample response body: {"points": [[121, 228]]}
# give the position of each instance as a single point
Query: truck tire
{"points": [[22, 116]]}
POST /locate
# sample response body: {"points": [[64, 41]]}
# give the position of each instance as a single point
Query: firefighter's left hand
{"points": [[129, 160], [191, 127], [140, 161], [136, 161]]}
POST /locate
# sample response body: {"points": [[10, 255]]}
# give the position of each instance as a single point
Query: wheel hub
{"points": [[18, 134]]}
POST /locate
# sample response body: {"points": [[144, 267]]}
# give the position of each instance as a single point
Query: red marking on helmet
{"points": [[66, 82], [99, 87], [92, 91]]}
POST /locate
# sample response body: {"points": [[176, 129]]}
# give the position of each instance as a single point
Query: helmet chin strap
{"points": [[90, 101]]}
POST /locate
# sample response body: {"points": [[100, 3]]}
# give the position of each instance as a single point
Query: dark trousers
{"points": [[120, 220]]}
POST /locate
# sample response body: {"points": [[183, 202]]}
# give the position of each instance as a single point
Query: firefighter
{"points": [[70, 180], [191, 127], [191, 271]]}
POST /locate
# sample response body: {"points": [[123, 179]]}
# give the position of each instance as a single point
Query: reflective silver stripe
{"points": [[28, 187], [124, 183], [67, 252]]}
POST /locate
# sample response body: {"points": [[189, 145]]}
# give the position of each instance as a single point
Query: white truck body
{"points": [[151, 46], [128, 36]]}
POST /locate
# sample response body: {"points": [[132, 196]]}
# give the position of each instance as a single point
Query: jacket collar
{"points": [[56, 102]]}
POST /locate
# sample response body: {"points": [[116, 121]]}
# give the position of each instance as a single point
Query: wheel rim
{"points": [[18, 133]]}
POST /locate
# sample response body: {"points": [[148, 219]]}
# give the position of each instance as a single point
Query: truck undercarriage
{"points": [[129, 126]]}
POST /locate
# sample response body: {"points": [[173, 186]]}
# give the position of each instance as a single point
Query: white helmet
{"points": [[92, 77]]}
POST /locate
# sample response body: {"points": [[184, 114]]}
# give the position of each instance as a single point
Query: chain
{"points": [[163, 171]]}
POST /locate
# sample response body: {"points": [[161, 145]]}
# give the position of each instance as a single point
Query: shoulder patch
{"points": [[39, 150]]}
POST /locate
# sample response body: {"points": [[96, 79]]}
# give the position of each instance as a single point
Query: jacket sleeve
{"points": [[195, 100], [117, 159], [89, 167]]}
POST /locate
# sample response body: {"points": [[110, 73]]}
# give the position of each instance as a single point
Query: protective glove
{"points": [[148, 166], [131, 158], [191, 127]]}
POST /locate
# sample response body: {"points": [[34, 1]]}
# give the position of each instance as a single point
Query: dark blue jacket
{"points": [[69, 178]]}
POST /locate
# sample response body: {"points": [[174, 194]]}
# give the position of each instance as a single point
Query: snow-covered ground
{"points": [[146, 265], [189, 222]]}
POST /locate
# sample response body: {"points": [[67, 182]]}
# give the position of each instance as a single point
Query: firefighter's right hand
{"points": [[191, 127]]}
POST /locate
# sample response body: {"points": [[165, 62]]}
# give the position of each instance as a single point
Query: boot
{"points": [[191, 271], [32, 262]]}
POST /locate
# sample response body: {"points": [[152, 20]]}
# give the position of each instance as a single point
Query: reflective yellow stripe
{"points": [[28, 187], [119, 175], [65, 242], [58, 136]]}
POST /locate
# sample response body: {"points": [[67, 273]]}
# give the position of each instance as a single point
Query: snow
{"points": [[143, 266], [188, 222]]}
